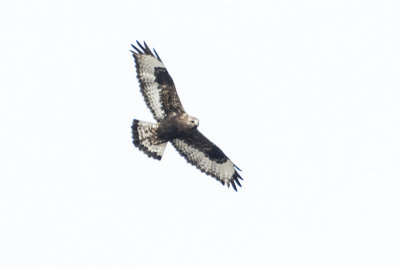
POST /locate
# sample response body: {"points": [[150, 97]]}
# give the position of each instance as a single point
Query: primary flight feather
{"points": [[173, 123]]}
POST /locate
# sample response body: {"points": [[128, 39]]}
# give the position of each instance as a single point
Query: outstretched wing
{"points": [[208, 158], [156, 84]]}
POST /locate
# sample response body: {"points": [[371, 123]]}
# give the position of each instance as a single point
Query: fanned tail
{"points": [[145, 138]]}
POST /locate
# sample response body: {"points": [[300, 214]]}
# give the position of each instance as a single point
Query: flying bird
{"points": [[173, 123]]}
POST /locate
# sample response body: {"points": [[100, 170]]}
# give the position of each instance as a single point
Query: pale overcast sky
{"points": [[302, 95]]}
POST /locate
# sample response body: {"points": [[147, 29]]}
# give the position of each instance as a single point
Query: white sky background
{"points": [[302, 95]]}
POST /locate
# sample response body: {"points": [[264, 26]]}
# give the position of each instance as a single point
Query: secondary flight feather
{"points": [[173, 123]]}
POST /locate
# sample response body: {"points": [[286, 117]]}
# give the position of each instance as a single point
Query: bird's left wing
{"points": [[156, 84], [208, 158]]}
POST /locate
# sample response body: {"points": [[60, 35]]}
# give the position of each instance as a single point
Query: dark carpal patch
{"points": [[216, 154], [168, 97], [163, 77]]}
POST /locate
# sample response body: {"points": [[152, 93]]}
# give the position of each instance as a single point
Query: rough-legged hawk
{"points": [[173, 123]]}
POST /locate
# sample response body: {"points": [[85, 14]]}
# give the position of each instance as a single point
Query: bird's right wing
{"points": [[156, 84]]}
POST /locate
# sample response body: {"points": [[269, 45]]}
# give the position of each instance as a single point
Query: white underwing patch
{"points": [[147, 64], [222, 171]]}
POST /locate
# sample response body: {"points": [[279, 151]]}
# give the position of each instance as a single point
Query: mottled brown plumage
{"points": [[173, 123]]}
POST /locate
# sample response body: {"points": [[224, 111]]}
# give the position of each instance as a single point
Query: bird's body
{"points": [[177, 125], [173, 123]]}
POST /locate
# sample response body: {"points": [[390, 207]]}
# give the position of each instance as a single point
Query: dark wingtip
{"points": [[238, 175], [233, 185], [138, 51], [140, 45], [147, 49], [237, 181], [158, 57], [237, 167], [144, 49]]}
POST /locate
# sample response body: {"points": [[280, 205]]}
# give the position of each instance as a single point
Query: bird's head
{"points": [[194, 122], [189, 122]]}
